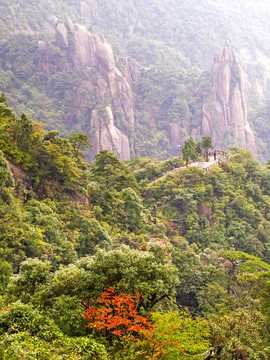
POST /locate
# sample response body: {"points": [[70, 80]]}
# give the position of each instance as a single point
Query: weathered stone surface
{"points": [[102, 88], [119, 140], [205, 210], [19, 176], [61, 36], [69, 24], [101, 83], [121, 93], [90, 50], [175, 136], [107, 136], [132, 73], [225, 110], [104, 56], [84, 46], [45, 57], [42, 45]]}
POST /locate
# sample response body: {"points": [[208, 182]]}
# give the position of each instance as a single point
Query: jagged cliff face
{"points": [[102, 82], [225, 109], [102, 104]]}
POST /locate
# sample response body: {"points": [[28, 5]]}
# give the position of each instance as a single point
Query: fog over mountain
{"points": [[139, 77]]}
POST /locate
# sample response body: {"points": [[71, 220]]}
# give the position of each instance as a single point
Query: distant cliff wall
{"points": [[103, 90], [225, 109]]}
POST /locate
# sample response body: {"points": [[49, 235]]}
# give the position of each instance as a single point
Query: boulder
{"points": [[61, 36], [104, 56]]}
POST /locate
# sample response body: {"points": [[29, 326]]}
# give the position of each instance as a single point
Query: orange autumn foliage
{"points": [[116, 316], [5, 309]]}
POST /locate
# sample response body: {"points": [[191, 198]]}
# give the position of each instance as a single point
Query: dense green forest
{"points": [[114, 261], [148, 258]]}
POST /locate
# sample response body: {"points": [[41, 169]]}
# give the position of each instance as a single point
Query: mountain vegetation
{"points": [[111, 246], [173, 45], [117, 261]]}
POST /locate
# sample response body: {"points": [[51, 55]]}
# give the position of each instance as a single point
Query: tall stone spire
{"points": [[225, 109]]}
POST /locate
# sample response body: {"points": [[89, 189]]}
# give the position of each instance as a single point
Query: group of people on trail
{"points": [[207, 155]]}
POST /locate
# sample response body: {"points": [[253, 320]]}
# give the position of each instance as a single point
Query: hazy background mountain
{"points": [[147, 105]]}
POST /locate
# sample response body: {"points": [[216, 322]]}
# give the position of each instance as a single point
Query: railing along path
{"points": [[221, 157]]}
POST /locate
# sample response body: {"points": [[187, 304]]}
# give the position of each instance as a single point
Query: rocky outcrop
{"points": [[178, 133], [61, 36], [131, 70], [21, 179], [45, 55], [104, 89], [107, 136], [225, 109], [175, 135]]}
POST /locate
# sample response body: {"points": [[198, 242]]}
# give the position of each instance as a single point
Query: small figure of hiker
{"points": [[215, 155]]}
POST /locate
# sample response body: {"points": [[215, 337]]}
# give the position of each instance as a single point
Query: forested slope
{"points": [[100, 262]]}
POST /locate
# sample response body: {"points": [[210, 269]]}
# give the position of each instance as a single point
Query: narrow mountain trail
{"points": [[205, 165]]}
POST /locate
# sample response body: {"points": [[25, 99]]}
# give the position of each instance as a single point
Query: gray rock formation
{"points": [[225, 110], [61, 36], [108, 89], [107, 136], [176, 137]]}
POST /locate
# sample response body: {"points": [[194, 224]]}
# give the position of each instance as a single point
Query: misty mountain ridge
{"points": [[162, 79]]}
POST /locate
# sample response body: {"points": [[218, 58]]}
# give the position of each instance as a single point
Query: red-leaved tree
{"points": [[116, 317]]}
